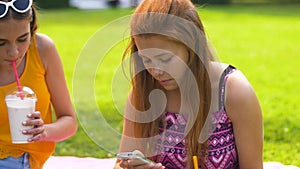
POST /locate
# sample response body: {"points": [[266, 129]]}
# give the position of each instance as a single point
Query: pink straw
{"points": [[17, 78]]}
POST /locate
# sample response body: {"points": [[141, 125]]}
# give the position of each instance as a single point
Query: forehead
{"points": [[11, 27], [158, 47], [156, 43]]}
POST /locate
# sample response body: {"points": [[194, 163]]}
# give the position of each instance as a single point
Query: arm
{"points": [[245, 113], [129, 143], [128, 128], [66, 123]]}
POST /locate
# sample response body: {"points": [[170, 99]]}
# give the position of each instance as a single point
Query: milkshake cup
{"points": [[19, 104]]}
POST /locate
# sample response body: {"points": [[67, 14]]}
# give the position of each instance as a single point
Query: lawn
{"points": [[261, 40]]}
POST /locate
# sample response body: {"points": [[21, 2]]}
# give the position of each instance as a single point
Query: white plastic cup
{"points": [[19, 105]]}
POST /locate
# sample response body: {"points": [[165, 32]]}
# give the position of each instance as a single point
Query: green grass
{"points": [[261, 40]]}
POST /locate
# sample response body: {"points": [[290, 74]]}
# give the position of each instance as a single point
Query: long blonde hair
{"points": [[177, 20]]}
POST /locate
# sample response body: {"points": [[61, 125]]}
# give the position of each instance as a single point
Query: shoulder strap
{"points": [[222, 84]]}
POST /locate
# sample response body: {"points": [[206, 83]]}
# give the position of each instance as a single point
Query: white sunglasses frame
{"points": [[11, 4]]}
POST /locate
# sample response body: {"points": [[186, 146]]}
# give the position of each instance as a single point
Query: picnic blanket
{"points": [[71, 162]]}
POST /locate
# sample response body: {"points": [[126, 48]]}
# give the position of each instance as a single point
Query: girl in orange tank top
{"points": [[39, 67]]}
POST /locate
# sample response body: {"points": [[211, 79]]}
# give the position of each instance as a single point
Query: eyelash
{"points": [[22, 40], [19, 40], [146, 60], [166, 60]]}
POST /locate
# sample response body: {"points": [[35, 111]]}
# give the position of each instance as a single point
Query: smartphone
{"points": [[136, 159]]}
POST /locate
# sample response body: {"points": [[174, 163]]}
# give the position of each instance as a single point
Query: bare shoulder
{"points": [[237, 86], [46, 48], [240, 97], [44, 42]]}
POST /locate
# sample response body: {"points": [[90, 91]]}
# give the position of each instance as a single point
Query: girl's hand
{"points": [[38, 131], [126, 164]]}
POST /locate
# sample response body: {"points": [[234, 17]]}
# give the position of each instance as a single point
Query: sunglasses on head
{"points": [[20, 6]]}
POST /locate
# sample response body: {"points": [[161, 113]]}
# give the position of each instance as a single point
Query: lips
{"points": [[164, 82], [17, 61]]}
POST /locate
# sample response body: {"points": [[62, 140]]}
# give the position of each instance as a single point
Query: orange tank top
{"points": [[33, 76]]}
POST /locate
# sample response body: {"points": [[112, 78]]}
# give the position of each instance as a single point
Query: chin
{"points": [[170, 88]]}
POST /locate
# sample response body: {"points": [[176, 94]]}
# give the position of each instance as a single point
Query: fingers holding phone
{"points": [[131, 165], [136, 160]]}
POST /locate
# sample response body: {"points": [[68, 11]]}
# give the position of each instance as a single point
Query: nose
{"points": [[156, 71], [13, 51]]}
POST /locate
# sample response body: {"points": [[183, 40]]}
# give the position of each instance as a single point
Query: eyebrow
{"points": [[25, 34], [22, 36]]}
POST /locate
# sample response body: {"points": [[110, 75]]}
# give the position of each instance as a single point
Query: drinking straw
{"points": [[195, 160], [17, 79]]}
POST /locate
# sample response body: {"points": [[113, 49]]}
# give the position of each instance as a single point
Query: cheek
{"points": [[177, 69], [3, 52], [151, 71], [180, 72], [24, 47]]}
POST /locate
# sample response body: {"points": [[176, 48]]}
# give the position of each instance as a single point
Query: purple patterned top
{"points": [[221, 151]]}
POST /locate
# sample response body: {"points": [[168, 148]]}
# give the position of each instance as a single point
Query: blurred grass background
{"points": [[261, 40]]}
